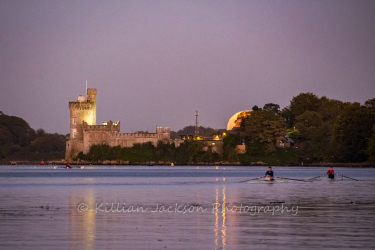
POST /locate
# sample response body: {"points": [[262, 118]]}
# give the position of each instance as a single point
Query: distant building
{"points": [[84, 132], [215, 142], [283, 142]]}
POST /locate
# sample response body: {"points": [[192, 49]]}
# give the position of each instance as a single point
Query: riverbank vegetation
{"points": [[318, 129], [19, 142], [310, 130]]}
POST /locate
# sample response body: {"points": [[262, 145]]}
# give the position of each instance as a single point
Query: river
{"points": [[185, 207]]}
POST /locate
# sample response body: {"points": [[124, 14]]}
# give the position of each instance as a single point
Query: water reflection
{"points": [[220, 215], [82, 225], [224, 231], [339, 212]]}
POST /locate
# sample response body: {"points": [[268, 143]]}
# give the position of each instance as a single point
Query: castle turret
{"points": [[81, 111], [163, 133], [91, 95], [84, 132]]}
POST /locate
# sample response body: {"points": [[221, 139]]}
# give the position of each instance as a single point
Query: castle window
{"points": [[74, 121], [74, 133]]}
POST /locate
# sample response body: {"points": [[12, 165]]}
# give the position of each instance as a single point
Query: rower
{"points": [[269, 174], [331, 173]]}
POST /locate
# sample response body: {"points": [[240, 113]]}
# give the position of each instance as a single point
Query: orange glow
{"points": [[234, 121]]}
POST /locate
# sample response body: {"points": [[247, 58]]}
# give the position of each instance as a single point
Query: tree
{"points": [[99, 152], [47, 143], [370, 104], [263, 126], [313, 137], [299, 105], [307, 124], [229, 147], [272, 107], [352, 132], [165, 152], [241, 116], [256, 108], [371, 146], [141, 152], [202, 131], [40, 133], [6, 137], [22, 133], [330, 109], [188, 152]]}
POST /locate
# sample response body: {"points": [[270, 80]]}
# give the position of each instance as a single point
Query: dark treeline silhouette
{"points": [[202, 131], [189, 152], [310, 130], [319, 130], [18, 141]]}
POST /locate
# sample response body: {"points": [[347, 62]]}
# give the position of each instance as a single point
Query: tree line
{"points": [[18, 141], [316, 130], [319, 129], [189, 152]]}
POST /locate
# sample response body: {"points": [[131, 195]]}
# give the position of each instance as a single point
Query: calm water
{"points": [[113, 207]]}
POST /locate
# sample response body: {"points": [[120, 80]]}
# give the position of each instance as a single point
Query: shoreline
{"points": [[256, 164]]}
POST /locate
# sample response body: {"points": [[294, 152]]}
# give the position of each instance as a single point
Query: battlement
{"points": [[80, 105], [84, 132], [161, 130], [134, 135], [107, 126], [91, 91], [91, 95]]}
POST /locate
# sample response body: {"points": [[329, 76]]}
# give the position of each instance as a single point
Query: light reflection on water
{"points": [[331, 214]]}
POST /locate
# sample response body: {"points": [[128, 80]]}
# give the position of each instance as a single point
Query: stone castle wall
{"points": [[84, 132], [106, 134]]}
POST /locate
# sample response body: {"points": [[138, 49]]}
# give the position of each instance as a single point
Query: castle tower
{"points": [[163, 133], [91, 95], [81, 111]]}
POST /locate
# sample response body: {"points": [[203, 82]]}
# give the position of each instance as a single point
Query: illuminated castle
{"points": [[84, 132]]}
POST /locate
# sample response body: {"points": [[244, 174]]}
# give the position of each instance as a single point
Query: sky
{"points": [[154, 63]]}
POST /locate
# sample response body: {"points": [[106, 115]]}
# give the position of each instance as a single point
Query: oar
{"points": [[349, 178], [251, 179], [315, 177], [291, 179]]}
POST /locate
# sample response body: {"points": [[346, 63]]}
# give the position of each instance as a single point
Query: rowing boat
{"points": [[275, 180], [284, 179], [265, 180]]}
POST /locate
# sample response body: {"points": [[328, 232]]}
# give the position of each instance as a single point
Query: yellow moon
{"points": [[232, 121]]}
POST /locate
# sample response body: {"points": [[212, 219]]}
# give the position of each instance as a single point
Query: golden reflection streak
{"points": [[224, 230], [223, 214], [216, 217], [89, 222], [83, 222]]}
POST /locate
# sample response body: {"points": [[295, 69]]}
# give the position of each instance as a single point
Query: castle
{"points": [[84, 132]]}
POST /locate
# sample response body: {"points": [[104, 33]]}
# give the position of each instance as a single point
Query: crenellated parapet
{"points": [[162, 130], [81, 105], [107, 126], [133, 135], [84, 132]]}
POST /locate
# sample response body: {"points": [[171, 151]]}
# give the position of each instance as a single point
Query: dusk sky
{"points": [[156, 62]]}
